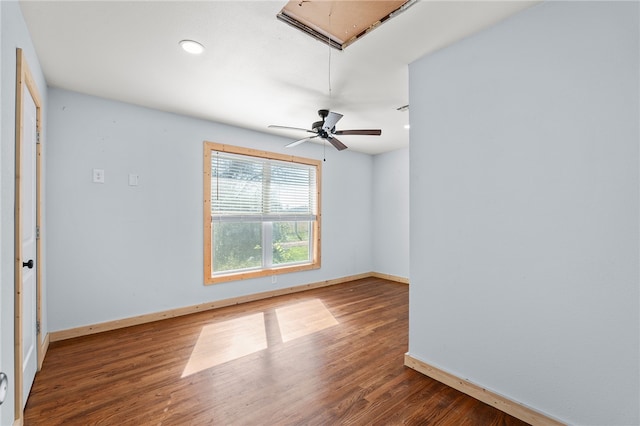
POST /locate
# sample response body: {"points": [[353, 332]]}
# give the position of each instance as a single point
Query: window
{"points": [[261, 213]]}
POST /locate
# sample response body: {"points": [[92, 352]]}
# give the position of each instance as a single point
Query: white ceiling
{"points": [[256, 70]]}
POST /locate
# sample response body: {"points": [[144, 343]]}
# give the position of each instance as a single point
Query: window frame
{"points": [[209, 277]]}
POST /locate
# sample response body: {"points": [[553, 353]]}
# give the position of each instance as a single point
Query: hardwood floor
{"points": [[322, 357]]}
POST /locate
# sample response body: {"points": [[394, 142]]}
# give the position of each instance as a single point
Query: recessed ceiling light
{"points": [[192, 47], [407, 126]]}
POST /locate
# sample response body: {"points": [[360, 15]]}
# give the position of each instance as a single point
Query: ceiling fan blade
{"points": [[371, 132], [299, 141], [331, 120], [273, 126], [336, 143]]}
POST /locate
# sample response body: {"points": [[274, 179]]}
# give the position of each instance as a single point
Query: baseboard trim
{"points": [[389, 277], [500, 402], [56, 336]]}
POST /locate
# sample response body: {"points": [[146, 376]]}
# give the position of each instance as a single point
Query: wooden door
{"points": [[27, 229]]}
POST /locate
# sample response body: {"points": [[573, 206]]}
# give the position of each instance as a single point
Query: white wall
{"points": [[525, 210], [14, 34], [118, 251], [391, 213]]}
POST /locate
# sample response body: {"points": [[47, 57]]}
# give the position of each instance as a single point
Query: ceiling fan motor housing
{"points": [[317, 126]]}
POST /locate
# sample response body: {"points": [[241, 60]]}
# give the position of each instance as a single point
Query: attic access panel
{"points": [[338, 22]]}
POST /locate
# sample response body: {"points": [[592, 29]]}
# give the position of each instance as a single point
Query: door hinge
{"points": [[37, 327], [37, 137], [37, 232]]}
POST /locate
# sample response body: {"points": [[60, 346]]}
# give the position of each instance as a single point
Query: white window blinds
{"points": [[245, 188]]}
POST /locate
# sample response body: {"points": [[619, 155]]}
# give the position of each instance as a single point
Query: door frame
{"points": [[24, 82]]}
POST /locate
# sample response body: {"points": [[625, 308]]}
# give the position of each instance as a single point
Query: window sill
{"points": [[239, 276]]}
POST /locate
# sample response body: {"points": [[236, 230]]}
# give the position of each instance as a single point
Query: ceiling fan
{"points": [[326, 129]]}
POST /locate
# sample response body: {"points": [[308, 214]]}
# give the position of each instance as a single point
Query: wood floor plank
{"points": [[332, 355]]}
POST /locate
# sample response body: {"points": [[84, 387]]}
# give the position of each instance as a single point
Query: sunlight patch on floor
{"points": [[225, 341], [304, 318], [229, 340]]}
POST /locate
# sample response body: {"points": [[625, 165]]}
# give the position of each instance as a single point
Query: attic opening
{"points": [[340, 23]]}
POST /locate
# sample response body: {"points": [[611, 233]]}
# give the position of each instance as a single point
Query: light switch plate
{"points": [[98, 175], [133, 179]]}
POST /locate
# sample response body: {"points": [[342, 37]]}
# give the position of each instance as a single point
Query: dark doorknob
{"points": [[28, 264]]}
